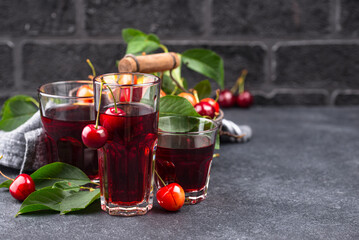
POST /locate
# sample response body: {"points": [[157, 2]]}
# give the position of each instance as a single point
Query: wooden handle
{"points": [[149, 63]]}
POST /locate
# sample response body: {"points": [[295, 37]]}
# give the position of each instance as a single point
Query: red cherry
{"points": [[110, 119], [85, 91], [171, 197], [226, 98], [212, 102], [94, 137], [22, 187], [205, 109], [244, 99]]}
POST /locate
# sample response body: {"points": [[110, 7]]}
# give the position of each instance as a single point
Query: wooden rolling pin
{"points": [[158, 62]]}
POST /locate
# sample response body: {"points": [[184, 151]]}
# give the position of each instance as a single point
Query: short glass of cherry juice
{"points": [[128, 107], [64, 113], [184, 154]]}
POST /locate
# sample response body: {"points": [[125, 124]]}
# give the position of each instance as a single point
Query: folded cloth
{"points": [[24, 148]]}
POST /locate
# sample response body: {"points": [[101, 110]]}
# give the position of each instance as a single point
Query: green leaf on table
{"points": [[43, 199], [203, 89], [78, 201], [205, 62], [51, 173], [16, 111], [6, 184], [139, 44], [175, 105], [66, 186]]}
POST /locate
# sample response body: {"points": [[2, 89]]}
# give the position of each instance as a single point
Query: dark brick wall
{"points": [[297, 52]]}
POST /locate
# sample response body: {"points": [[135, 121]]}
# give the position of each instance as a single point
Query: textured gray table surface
{"points": [[298, 178]]}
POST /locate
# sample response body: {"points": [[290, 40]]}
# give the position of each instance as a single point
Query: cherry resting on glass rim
{"points": [[244, 99], [22, 187], [171, 197], [125, 162], [188, 166], [94, 137], [205, 109], [226, 98], [63, 126]]}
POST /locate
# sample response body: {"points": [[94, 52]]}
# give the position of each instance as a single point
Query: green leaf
{"points": [[44, 199], [168, 85], [205, 62], [139, 44], [6, 184], [78, 201], [175, 105], [51, 173], [178, 124], [66, 186], [16, 111], [204, 89], [129, 33]]}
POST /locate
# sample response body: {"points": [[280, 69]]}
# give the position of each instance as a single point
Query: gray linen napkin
{"points": [[25, 147]]}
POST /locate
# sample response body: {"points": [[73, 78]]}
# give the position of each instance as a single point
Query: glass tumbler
{"points": [[128, 108], [184, 154], [66, 108]]}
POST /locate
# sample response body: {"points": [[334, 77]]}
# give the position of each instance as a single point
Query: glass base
{"points": [[127, 211], [195, 197]]}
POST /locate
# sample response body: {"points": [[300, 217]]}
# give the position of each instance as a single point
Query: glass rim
{"points": [[42, 93], [216, 126], [156, 81]]}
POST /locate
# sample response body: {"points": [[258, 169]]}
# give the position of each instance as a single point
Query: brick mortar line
{"points": [[263, 42]]}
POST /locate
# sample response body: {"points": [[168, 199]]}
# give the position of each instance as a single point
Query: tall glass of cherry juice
{"points": [[128, 108], [184, 154], [66, 108]]}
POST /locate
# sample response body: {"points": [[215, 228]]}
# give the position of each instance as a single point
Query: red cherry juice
{"points": [[63, 126], [125, 162], [185, 160]]}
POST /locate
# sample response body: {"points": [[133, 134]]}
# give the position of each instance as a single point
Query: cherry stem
{"points": [[217, 95], [102, 81], [241, 81], [113, 96], [177, 83], [88, 188], [4, 174], [195, 94], [92, 67], [99, 105], [92, 182], [164, 48], [215, 155], [164, 184]]}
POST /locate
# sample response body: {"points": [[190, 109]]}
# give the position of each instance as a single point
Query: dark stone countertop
{"points": [[298, 178]]}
